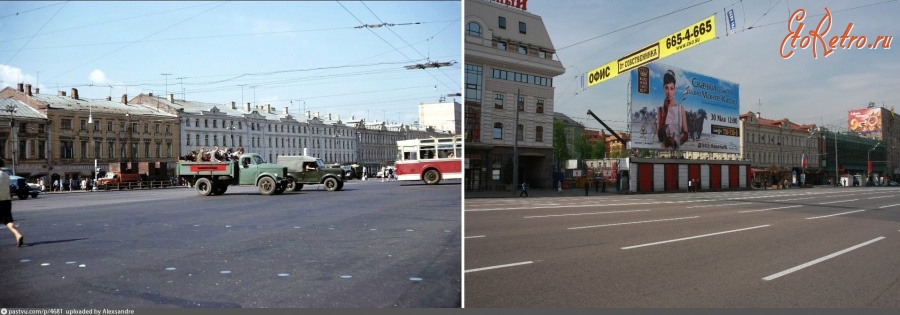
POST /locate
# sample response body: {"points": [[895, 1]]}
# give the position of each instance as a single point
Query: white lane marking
{"points": [[888, 206], [880, 197], [830, 202], [477, 236], [794, 199], [775, 276], [571, 214], [596, 205], [500, 266], [730, 204], [770, 209], [831, 215], [614, 224], [693, 237]]}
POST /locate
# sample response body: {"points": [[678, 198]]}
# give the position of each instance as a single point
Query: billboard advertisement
{"points": [[865, 121], [675, 109]]}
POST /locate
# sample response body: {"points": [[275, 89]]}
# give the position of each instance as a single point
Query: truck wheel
{"points": [[331, 184], [280, 189], [340, 185], [267, 186], [298, 186], [219, 189], [291, 185], [23, 196], [432, 177], [204, 186]]}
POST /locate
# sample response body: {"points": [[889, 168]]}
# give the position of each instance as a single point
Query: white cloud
{"points": [[98, 77], [12, 75]]}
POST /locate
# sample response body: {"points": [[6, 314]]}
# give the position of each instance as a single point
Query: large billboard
{"points": [[865, 121], [675, 109]]}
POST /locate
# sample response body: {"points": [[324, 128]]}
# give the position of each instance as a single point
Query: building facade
{"points": [[508, 103], [442, 116], [776, 150]]}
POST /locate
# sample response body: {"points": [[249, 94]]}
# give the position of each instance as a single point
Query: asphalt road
{"points": [[373, 244], [819, 247]]}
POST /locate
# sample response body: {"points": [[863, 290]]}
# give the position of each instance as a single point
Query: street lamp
{"points": [[12, 108], [869, 164], [96, 169], [231, 127]]}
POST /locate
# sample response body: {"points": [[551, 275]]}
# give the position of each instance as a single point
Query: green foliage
{"points": [[560, 147]]}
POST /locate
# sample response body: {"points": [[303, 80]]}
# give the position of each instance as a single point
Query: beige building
{"points": [[775, 149], [509, 70], [442, 116], [77, 132]]}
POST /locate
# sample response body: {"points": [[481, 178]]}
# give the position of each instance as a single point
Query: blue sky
{"points": [[803, 89], [302, 55]]}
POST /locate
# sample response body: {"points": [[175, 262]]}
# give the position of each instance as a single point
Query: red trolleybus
{"points": [[429, 160]]}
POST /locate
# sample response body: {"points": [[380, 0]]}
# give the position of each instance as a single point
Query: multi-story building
{"points": [[881, 124], [81, 132], [776, 150], [854, 152], [509, 70], [24, 130], [443, 116]]}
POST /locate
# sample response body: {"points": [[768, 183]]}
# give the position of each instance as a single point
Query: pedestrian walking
{"points": [[524, 189], [603, 182], [596, 183], [691, 185], [6, 207]]}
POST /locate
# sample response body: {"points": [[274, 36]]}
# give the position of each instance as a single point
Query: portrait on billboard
{"points": [[675, 109]]}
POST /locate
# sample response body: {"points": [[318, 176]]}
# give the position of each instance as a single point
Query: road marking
{"points": [[794, 199], [614, 224], [888, 206], [730, 204], [500, 266], [881, 197], [831, 215], [571, 214], [775, 276], [478, 236], [830, 202], [770, 209], [693, 237]]}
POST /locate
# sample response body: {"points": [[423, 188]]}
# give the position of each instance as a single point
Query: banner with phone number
{"points": [[691, 36]]}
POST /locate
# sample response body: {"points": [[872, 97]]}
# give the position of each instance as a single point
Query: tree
{"points": [[560, 147], [598, 150], [583, 147]]}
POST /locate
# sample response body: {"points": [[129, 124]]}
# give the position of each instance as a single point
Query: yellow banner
{"points": [[688, 37]]}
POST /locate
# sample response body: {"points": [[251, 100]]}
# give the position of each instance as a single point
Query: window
{"points": [[542, 54], [110, 149], [41, 128], [83, 125], [501, 46], [41, 145], [66, 124], [473, 29], [523, 50], [502, 22], [84, 149], [520, 132], [522, 27], [540, 106], [98, 153], [498, 130], [521, 103], [96, 125], [65, 148], [539, 133], [206, 123], [473, 83], [498, 101]]}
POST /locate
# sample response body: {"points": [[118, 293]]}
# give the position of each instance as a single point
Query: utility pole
{"points": [[182, 87], [516, 146]]}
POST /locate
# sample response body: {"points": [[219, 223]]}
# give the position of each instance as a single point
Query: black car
{"points": [[19, 187]]}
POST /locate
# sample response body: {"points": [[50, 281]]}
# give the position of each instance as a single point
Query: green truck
{"points": [[308, 170], [213, 178]]}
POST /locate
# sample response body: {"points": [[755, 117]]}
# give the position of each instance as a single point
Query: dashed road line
{"points": [[626, 223], [888, 206], [777, 275], [729, 204], [477, 236], [693, 237], [499, 266], [574, 214], [830, 202], [836, 214], [778, 208]]}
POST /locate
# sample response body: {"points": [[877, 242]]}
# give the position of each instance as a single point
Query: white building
{"points": [[442, 116]]}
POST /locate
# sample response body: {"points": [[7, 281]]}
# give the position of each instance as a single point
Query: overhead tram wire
{"points": [[823, 14], [386, 42], [29, 10], [32, 36], [134, 42]]}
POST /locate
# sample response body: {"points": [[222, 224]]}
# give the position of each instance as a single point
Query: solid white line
{"points": [[500, 266], [571, 214], [880, 197], [793, 199], [614, 224], [693, 237], [830, 202], [770, 209], [730, 204], [476, 236], [888, 206], [775, 276], [831, 215]]}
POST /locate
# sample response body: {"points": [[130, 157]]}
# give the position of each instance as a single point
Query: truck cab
{"points": [[308, 170]]}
